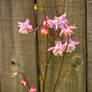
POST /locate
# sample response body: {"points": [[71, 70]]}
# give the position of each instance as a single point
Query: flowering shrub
{"points": [[59, 26]]}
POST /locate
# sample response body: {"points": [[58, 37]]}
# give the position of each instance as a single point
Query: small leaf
{"points": [[40, 78], [14, 74]]}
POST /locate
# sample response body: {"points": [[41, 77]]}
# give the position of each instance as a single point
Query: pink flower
{"points": [[23, 82], [25, 27], [33, 89], [49, 22], [59, 21], [67, 30], [71, 45], [57, 49]]}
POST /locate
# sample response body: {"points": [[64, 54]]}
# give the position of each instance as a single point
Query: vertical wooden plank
{"points": [[17, 51], [76, 14], [75, 10], [89, 41]]}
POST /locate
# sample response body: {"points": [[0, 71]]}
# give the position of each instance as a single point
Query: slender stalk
{"points": [[37, 28], [62, 61], [58, 74], [36, 44], [37, 48], [47, 61], [45, 75], [25, 79]]}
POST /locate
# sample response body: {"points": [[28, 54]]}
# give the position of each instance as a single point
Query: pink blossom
{"points": [[25, 27], [49, 22], [70, 45], [59, 21], [33, 89], [24, 82], [57, 49], [67, 30]]}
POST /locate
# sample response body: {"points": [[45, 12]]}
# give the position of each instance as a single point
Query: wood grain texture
{"points": [[89, 41], [15, 47], [20, 49], [75, 76]]}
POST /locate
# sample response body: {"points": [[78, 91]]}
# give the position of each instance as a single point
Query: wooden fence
{"points": [[17, 52]]}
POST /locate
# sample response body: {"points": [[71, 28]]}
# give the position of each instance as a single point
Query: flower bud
{"points": [[23, 82], [33, 89], [44, 31]]}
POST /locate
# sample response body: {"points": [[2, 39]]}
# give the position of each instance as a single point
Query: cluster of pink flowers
{"points": [[60, 23], [59, 48], [62, 29], [57, 23]]}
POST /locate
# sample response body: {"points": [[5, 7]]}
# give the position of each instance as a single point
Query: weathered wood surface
{"points": [[20, 49], [89, 41], [15, 47], [75, 10]]}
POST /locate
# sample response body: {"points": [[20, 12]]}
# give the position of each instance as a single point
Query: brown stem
{"points": [[47, 61], [25, 79], [53, 89], [58, 74], [36, 44], [47, 64], [45, 75], [37, 28]]}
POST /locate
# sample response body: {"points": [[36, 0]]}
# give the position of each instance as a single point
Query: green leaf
{"points": [[40, 78]]}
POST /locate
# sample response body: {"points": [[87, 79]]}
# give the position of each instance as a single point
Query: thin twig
{"points": [[58, 74], [45, 75], [62, 61], [46, 69], [36, 44], [25, 79], [37, 28]]}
